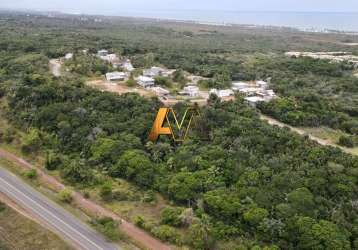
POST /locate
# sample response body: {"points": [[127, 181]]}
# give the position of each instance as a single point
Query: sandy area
{"points": [[119, 88]]}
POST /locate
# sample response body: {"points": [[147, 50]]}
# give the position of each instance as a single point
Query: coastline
{"points": [[163, 16]]}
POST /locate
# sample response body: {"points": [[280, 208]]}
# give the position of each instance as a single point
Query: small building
{"points": [[262, 84], [117, 76], [157, 71], [267, 95], [237, 86], [127, 65], [111, 58], [102, 52], [222, 93], [145, 81], [250, 91], [159, 91], [153, 72], [192, 91], [68, 56], [254, 100]]}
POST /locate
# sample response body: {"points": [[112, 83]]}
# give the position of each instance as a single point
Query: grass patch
{"points": [[18, 232]]}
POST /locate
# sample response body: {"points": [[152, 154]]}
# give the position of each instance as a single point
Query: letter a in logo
{"points": [[163, 116]]}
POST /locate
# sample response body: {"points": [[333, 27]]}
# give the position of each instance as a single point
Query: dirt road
{"points": [[273, 121], [55, 67], [137, 235]]}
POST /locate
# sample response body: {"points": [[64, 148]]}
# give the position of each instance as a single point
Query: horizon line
{"points": [[172, 10]]}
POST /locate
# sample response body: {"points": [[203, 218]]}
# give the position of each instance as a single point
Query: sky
{"points": [[111, 7]]}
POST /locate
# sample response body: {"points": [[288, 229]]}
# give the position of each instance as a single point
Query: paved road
{"points": [[59, 220]]}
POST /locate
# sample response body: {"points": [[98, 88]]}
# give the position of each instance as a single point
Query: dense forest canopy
{"points": [[251, 184]]}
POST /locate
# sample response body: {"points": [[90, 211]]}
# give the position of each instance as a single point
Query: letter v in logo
{"points": [[163, 115]]}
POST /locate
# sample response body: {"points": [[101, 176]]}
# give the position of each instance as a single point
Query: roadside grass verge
{"points": [[19, 232]]}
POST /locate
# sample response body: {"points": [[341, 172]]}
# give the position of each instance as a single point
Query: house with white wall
{"points": [[145, 81], [117, 76]]}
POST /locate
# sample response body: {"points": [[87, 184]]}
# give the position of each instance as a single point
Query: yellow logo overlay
{"points": [[179, 132]]}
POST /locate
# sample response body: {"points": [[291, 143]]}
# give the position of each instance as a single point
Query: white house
{"points": [[111, 58], [191, 91], [222, 93], [267, 95], [250, 91], [117, 76], [254, 100], [145, 81], [153, 72], [226, 93], [262, 84], [237, 86], [157, 71], [69, 56], [127, 65], [159, 91], [102, 52]]}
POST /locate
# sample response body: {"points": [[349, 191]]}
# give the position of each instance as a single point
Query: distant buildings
{"points": [[255, 92], [117, 76], [145, 81]]}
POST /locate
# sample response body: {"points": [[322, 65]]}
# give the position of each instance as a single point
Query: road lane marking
{"points": [[51, 214]]}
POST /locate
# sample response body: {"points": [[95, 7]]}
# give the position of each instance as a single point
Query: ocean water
{"points": [[302, 20]]}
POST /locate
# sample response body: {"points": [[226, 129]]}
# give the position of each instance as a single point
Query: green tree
{"points": [[32, 141], [321, 235], [302, 201], [65, 195], [135, 165], [200, 234], [171, 216], [106, 191], [254, 216], [163, 81]]}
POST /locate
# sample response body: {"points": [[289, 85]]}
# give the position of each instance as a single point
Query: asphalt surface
{"points": [[58, 219]]}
